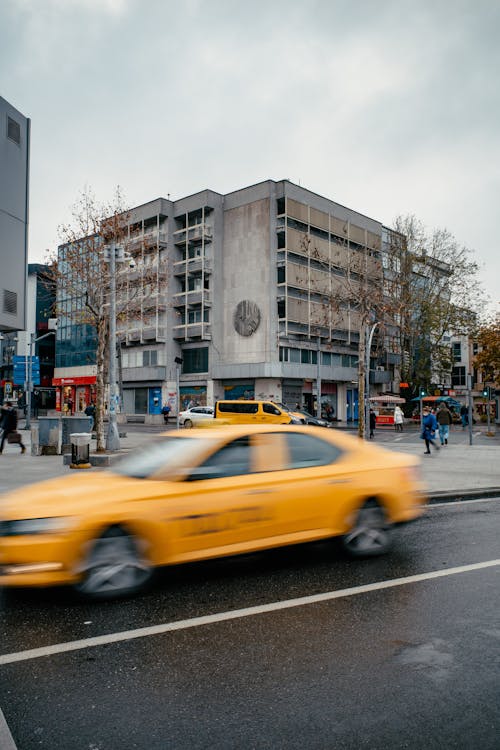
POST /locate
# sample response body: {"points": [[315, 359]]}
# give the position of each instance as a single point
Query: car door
{"points": [[222, 505], [306, 485]]}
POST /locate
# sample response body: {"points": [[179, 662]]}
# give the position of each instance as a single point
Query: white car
{"points": [[195, 414]]}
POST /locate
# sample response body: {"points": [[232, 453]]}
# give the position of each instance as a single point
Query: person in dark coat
{"points": [[9, 425], [373, 422], [429, 427], [444, 421], [165, 411]]}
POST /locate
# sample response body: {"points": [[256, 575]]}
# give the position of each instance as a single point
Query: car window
{"points": [[270, 409], [307, 450], [165, 455], [231, 460]]}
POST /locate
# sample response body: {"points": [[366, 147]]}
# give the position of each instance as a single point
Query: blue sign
{"points": [[21, 365]]}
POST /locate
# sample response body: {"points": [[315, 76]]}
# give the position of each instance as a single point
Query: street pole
{"points": [[113, 437], [177, 389], [469, 398], [28, 385], [488, 410], [367, 378], [318, 379]]}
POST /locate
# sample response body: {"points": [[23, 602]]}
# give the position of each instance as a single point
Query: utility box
{"points": [[80, 450], [46, 437]]}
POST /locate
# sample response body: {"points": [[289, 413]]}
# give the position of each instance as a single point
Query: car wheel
{"points": [[371, 534], [114, 567], [188, 424]]}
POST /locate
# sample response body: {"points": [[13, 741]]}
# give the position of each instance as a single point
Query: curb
{"points": [[457, 495]]}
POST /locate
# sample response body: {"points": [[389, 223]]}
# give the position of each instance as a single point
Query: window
{"points": [[195, 360], [238, 407], [281, 275], [271, 409], [458, 376], [326, 358], [281, 240], [305, 450], [13, 131], [283, 354], [281, 308], [457, 351], [294, 355], [280, 206], [231, 460]]}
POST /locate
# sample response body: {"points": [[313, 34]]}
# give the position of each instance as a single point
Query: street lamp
{"points": [[369, 333], [178, 362]]}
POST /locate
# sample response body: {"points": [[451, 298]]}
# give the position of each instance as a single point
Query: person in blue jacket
{"points": [[429, 427]]}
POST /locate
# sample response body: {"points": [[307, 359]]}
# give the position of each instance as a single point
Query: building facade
{"points": [[240, 296], [14, 211]]}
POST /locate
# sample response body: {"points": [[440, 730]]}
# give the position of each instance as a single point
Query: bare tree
{"points": [[82, 278], [435, 292]]}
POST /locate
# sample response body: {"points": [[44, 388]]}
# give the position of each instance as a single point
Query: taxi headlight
{"points": [[27, 526]]}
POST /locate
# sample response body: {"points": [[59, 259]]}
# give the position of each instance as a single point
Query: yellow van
{"points": [[253, 412]]}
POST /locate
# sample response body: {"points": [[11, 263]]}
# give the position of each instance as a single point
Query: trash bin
{"points": [[80, 449]]}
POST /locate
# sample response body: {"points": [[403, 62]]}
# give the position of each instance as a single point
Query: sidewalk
{"points": [[454, 469]]}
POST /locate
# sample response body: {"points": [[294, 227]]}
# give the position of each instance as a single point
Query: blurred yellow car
{"points": [[198, 494]]}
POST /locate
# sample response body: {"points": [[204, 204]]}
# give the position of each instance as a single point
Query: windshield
{"points": [[167, 455]]}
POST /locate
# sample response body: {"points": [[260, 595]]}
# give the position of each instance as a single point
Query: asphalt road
{"points": [[365, 660]]}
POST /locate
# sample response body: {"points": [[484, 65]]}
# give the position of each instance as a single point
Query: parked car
{"points": [[195, 414], [192, 495], [309, 419]]}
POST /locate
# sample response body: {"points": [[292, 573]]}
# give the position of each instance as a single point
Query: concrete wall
{"points": [[247, 276], [14, 189]]}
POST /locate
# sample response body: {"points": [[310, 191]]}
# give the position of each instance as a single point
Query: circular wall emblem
{"points": [[246, 318]]}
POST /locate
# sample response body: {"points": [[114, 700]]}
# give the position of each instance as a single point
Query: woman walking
{"points": [[429, 427]]}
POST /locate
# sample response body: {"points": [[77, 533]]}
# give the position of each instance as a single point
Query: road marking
{"points": [[463, 502], [6, 741], [128, 635]]}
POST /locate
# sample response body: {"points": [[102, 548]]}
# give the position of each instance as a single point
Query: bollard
{"points": [[80, 449]]}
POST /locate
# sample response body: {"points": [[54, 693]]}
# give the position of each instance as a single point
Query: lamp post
{"points": [[178, 362], [369, 333]]}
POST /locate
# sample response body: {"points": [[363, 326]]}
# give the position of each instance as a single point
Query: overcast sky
{"points": [[386, 106]]}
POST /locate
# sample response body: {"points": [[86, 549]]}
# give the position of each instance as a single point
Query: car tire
{"points": [[371, 534], [114, 567], [188, 424]]}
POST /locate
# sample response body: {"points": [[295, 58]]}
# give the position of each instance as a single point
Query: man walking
{"points": [[9, 424], [444, 420]]}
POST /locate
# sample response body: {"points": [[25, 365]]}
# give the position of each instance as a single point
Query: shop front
{"points": [[73, 395]]}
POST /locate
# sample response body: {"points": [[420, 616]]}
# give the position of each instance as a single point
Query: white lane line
{"points": [[462, 502], [127, 635], [6, 741]]}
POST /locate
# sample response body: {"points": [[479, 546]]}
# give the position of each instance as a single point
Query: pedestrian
{"points": [[464, 416], [9, 425], [373, 422], [90, 412], [444, 421], [429, 427], [165, 411], [398, 419]]}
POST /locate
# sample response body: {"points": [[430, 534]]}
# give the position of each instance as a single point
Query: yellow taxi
{"points": [[199, 494]]}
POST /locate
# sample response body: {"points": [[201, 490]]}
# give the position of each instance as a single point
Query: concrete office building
{"points": [[240, 287], [14, 208]]}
